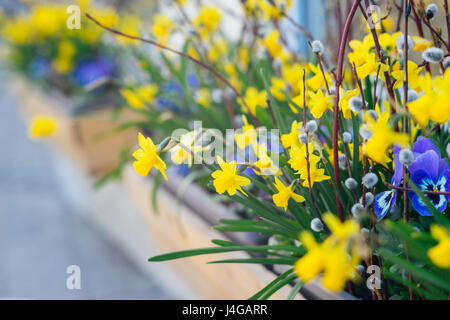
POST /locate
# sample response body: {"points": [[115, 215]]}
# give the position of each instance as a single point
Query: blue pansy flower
{"points": [[92, 70], [193, 81], [428, 171]]}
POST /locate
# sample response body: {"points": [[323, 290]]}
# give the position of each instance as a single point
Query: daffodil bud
{"points": [[356, 104], [370, 180], [406, 157], [351, 184], [369, 199], [317, 47], [357, 210], [346, 137], [431, 11], [303, 137], [163, 145], [316, 225], [401, 43], [311, 126], [412, 95], [433, 55]]}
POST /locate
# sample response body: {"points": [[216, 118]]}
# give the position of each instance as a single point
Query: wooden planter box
{"points": [[177, 227], [89, 138]]}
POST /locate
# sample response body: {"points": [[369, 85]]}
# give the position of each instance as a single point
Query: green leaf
{"points": [[156, 184], [213, 250], [280, 123], [271, 261], [417, 290], [416, 271], [277, 287], [295, 290], [271, 284]]}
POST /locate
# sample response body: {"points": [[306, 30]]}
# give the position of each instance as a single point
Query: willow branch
{"points": [[182, 54]]}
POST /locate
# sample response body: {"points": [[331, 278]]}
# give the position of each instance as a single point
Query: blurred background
{"points": [[51, 215]]}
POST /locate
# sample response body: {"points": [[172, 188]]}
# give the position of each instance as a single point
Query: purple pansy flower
{"points": [[428, 171], [92, 70]]}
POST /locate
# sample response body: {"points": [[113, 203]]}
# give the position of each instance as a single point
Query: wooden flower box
{"points": [[186, 224], [88, 137]]}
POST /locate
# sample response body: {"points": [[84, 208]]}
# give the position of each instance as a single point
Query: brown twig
{"points": [[182, 54], [339, 78], [387, 76]]}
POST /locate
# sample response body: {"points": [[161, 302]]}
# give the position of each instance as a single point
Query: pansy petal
{"points": [[419, 206], [383, 203], [427, 162], [423, 144]]}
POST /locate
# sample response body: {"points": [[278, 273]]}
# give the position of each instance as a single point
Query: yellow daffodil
{"points": [[141, 96], [281, 198], [319, 103], [341, 230], [63, 62], [42, 127], [179, 152], [343, 103], [162, 28], [413, 76], [361, 50], [317, 81], [290, 139], [383, 137], [297, 157], [203, 98], [271, 43], [265, 163], [440, 254], [330, 257], [247, 137], [315, 175], [422, 44], [207, 21], [371, 66], [227, 180], [278, 88], [255, 98], [147, 157]]}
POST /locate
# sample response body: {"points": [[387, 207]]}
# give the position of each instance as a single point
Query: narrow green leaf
{"points": [[271, 284]]}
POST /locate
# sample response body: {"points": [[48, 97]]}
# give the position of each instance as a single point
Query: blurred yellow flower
{"points": [[42, 127], [207, 21], [162, 28], [255, 98], [440, 254], [179, 152], [319, 103], [332, 257], [247, 137]]}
